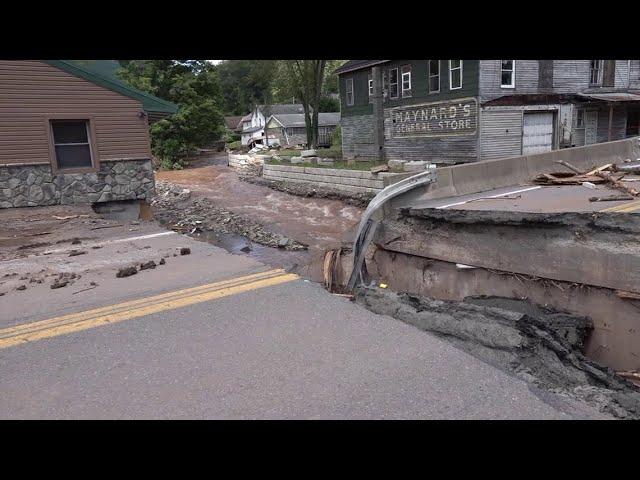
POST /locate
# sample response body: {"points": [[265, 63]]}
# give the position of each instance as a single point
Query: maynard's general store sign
{"points": [[454, 117]]}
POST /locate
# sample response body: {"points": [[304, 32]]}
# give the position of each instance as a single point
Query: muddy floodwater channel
{"points": [[254, 220]]}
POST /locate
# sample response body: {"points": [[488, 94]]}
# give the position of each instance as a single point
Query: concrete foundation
{"points": [[37, 185], [615, 340], [353, 181]]}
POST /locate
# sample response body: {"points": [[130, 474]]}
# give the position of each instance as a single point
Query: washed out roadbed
{"points": [[537, 345], [176, 208]]}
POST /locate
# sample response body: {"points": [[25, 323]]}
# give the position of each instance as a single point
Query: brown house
{"points": [[70, 134]]}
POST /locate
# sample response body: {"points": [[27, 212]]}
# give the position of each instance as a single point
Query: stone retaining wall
{"points": [[36, 185], [354, 181]]}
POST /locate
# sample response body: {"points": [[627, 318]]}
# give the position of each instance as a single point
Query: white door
{"points": [[590, 127], [537, 132]]}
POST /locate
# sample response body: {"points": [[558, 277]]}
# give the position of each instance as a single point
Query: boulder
{"points": [[309, 153]]}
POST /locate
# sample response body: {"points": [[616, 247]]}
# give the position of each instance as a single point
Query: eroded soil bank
{"points": [[537, 345]]}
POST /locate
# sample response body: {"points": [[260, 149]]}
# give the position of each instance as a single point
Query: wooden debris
{"points": [[107, 226], [600, 169], [570, 167], [611, 198], [552, 179], [615, 183], [628, 295]]}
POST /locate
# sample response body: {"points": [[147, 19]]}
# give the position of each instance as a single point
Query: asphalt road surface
{"points": [[215, 336]]}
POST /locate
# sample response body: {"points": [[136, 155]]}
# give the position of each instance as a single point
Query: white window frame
{"points": [[349, 81], [402, 74], [397, 84], [600, 70], [87, 122], [371, 87], [580, 116], [513, 75], [430, 76], [451, 87]]}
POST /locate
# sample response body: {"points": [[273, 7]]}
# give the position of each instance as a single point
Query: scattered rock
{"points": [[95, 247], [76, 241], [93, 284], [2, 293], [185, 251], [162, 261], [148, 265], [59, 283], [283, 242], [75, 253], [21, 287], [126, 272], [246, 249]]}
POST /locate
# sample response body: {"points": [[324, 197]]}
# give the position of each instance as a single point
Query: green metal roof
{"points": [[102, 72]]}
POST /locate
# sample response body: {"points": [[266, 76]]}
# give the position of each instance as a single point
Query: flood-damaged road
{"points": [[203, 333], [319, 223]]}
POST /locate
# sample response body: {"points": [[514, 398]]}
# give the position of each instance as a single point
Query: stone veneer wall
{"points": [[37, 185]]}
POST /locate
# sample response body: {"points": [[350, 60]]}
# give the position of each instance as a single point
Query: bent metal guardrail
{"points": [[368, 225]]}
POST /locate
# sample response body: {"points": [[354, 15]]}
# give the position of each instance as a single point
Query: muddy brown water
{"points": [[319, 223]]}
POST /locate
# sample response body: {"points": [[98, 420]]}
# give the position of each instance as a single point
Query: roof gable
{"points": [[101, 77]]}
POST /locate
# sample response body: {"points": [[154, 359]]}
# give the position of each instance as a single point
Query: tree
{"points": [[304, 79], [194, 86], [245, 83]]}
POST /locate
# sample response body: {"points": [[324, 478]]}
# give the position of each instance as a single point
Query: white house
{"points": [[253, 124]]}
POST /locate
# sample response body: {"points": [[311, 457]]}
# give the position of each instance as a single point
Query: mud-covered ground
{"points": [[252, 219], [537, 345]]}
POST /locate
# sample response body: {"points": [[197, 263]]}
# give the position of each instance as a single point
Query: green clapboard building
{"points": [[457, 111]]}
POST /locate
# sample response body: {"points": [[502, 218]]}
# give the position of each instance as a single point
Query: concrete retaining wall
{"points": [[505, 172], [37, 185], [354, 181]]}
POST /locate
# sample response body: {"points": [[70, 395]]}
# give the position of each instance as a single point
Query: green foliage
{"points": [[236, 145], [193, 85], [245, 83], [329, 104]]}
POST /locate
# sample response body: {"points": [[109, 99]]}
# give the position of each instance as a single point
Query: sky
{"points": [[215, 62]]}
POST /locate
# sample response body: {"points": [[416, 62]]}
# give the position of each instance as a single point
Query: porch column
{"points": [[610, 121], [378, 112]]}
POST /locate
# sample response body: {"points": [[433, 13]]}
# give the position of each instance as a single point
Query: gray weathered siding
{"points": [[357, 136], [500, 133], [570, 76], [490, 79], [622, 74], [634, 74], [618, 124]]}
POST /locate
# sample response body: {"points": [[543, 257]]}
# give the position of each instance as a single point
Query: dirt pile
{"points": [[536, 345], [306, 190], [174, 207]]}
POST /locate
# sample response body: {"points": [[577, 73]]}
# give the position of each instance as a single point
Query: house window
{"points": [[508, 74], [349, 91], [370, 83], [434, 76], [406, 81], [393, 83], [455, 74], [71, 144], [595, 73], [579, 118]]}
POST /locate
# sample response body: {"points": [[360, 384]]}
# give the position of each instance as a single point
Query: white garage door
{"points": [[537, 132]]}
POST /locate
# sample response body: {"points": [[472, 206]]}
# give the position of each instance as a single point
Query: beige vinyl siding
{"points": [[32, 91]]}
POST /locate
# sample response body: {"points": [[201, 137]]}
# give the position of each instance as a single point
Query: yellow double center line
{"points": [[76, 322], [627, 207]]}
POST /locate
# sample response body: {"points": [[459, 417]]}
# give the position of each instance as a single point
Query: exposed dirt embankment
{"points": [[537, 345]]}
